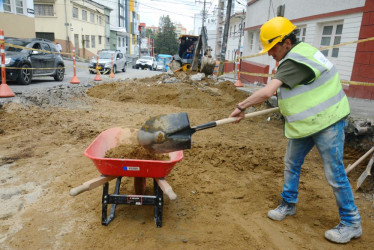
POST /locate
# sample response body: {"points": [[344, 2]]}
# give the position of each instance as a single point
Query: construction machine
{"points": [[194, 54]]}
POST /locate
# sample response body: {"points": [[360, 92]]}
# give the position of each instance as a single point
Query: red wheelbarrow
{"points": [[117, 168]]}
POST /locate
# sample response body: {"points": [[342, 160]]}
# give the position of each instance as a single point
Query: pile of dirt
{"points": [[226, 183]]}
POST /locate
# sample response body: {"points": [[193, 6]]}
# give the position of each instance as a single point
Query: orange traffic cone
{"points": [[97, 77], [238, 82], [5, 91], [111, 75], [75, 79]]}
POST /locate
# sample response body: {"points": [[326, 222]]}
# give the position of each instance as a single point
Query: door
{"points": [[36, 58], [48, 62]]}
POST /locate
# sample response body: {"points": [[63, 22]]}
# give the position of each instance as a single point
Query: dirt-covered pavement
{"points": [[225, 184]]}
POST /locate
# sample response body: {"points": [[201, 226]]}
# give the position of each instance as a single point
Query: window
{"points": [[43, 9], [46, 47], [119, 42], [100, 21], [75, 12], [100, 39], [93, 41], [46, 35], [251, 41], [300, 34], [84, 15], [331, 35], [107, 19], [87, 41], [6, 5], [234, 30], [92, 17], [258, 41], [230, 30], [19, 6]]}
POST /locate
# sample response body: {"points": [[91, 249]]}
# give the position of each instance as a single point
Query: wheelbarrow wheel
{"points": [[139, 185]]}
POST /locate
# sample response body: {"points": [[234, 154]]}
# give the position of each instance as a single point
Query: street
{"points": [[83, 75]]}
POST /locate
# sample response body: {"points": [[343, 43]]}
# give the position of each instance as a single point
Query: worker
{"points": [[189, 52], [58, 47], [314, 107]]}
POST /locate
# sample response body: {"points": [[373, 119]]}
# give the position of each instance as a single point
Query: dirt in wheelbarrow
{"points": [[225, 184], [130, 151]]}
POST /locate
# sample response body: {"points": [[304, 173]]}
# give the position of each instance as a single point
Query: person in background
{"points": [[58, 47], [314, 107], [189, 51]]}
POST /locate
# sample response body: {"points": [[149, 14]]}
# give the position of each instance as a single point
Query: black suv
{"points": [[24, 64]]}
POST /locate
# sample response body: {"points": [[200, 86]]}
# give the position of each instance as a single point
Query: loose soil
{"points": [[225, 184], [129, 151]]}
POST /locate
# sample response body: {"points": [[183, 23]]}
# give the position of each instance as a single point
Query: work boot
{"points": [[282, 211], [343, 234]]}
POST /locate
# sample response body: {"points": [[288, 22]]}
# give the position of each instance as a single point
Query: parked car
{"points": [[105, 61], [146, 62], [26, 64]]}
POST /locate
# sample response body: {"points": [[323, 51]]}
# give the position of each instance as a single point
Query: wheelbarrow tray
{"points": [[112, 138]]}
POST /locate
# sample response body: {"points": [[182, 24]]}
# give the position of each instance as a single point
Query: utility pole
{"points": [[225, 35], [240, 32], [203, 15], [219, 28], [239, 45]]}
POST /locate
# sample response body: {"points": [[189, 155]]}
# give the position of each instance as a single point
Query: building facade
{"points": [[235, 36], [20, 12], [319, 23], [80, 24]]}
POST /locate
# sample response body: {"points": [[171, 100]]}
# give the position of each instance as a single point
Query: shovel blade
{"points": [[166, 133], [366, 173], [362, 178]]}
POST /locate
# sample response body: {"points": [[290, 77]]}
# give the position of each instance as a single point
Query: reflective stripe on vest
{"points": [[310, 107]]}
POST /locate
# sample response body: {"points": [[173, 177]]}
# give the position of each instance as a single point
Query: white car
{"points": [[105, 62], [146, 62]]}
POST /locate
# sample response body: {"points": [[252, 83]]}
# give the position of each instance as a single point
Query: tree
{"points": [[166, 41], [150, 34]]}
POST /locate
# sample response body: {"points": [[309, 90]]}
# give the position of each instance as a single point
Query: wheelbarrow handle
{"points": [[166, 188], [91, 184]]}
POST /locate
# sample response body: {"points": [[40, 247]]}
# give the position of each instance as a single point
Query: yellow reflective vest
{"points": [[315, 105]]}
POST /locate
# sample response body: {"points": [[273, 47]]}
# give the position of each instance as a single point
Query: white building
{"points": [[320, 22], [211, 27], [235, 35]]}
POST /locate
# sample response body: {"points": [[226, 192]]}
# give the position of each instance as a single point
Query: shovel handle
{"points": [[350, 167], [253, 114]]}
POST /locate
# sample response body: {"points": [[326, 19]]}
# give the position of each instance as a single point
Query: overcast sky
{"points": [[179, 11]]}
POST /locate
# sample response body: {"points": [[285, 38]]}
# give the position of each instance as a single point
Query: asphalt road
{"points": [[83, 75]]}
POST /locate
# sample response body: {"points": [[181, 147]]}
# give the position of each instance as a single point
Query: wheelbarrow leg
{"points": [[159, 203], [105, 221]]}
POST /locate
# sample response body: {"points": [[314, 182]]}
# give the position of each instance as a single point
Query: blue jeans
{"points": [[330, 144]]}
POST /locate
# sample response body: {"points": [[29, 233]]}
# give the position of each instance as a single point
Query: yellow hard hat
{"points": [[273, 32]]}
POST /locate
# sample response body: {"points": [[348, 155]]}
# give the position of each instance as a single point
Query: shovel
{"points": [[172, 132], [366, 172]]}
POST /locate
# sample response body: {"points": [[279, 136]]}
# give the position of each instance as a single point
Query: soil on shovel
{"points": [[226, 183]]}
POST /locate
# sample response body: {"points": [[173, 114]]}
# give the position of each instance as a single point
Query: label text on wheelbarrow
{"points": [[125, 168]]}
